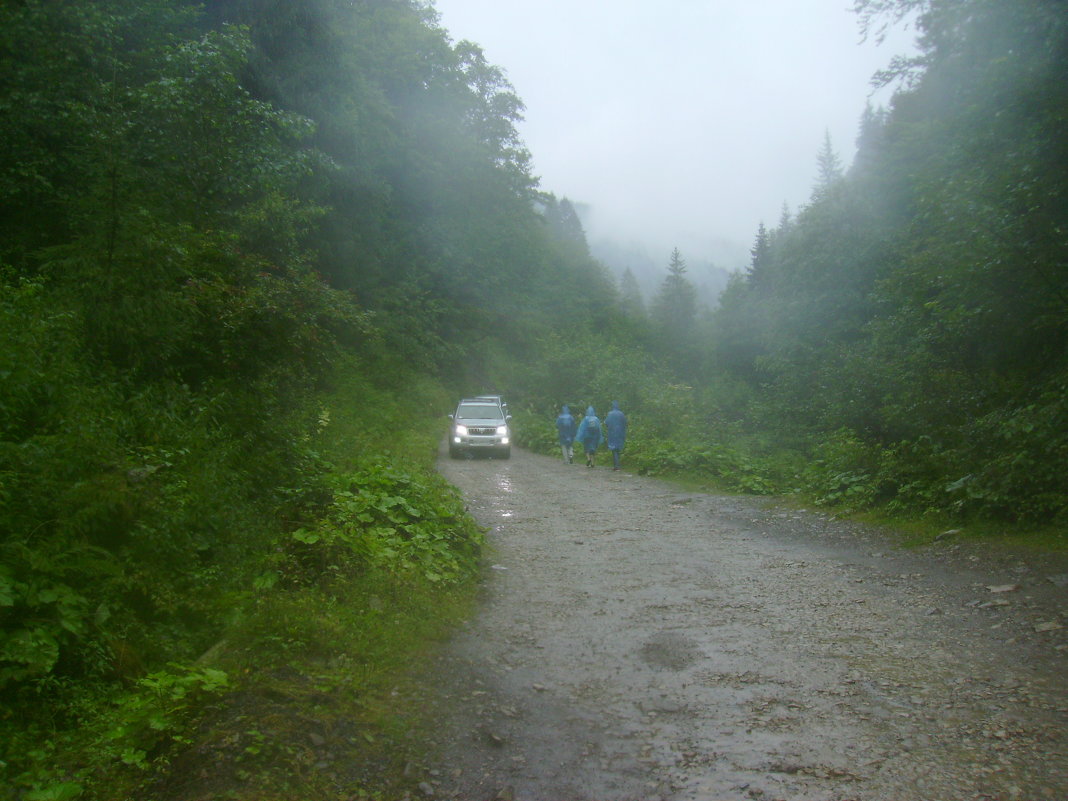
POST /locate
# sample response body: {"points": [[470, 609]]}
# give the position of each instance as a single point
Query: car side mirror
{"points": [[508, 417], [450, 417]]}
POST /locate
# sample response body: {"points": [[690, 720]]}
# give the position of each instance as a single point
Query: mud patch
{"points": [[670, 650]]}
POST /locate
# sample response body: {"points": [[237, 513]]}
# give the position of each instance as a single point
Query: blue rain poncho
{"points": [[589, 431], [565, 427], [615, 425]]}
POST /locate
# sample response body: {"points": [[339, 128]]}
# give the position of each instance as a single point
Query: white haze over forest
{"points": [[684, 123]]}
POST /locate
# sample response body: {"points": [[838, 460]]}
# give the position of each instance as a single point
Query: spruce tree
{"points": [[759, 256], [630, 295], [675, 305], [829, 167]]}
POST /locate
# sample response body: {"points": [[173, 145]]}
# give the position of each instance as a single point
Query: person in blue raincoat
{"points": [[589, 434], [565, 429], [615, 429]]}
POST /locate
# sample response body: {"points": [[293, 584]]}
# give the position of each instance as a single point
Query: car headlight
{"points": [[461, 431], [502, 431]]}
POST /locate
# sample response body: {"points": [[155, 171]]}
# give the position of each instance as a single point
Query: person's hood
{"points": [[590, 412], [615, 405], [565, 410]]}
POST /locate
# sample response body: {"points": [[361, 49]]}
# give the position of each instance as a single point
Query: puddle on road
{"points": [[503, 484], [670, 650]]}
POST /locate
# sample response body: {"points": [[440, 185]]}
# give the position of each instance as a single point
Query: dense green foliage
{"points": [[914, 316], [214, 220], [251, 251]]}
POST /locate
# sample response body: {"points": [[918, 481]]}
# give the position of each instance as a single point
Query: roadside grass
{"points": [[325, 702], [904, 530], [927, 530], [744, 466], [907, 530], [311, 688]]}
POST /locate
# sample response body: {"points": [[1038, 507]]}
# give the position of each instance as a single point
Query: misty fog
{"points": [[681, 125]]}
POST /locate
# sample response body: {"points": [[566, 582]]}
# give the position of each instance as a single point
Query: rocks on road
{"points": [[637, 642]]}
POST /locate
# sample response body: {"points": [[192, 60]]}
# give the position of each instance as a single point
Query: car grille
{"points": [[482, 432]]}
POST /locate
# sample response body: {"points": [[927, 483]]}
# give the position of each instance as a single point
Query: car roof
{"points": [[493, 409]]}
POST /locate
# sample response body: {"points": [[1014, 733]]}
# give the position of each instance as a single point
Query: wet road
{"points": [[638, 642]]}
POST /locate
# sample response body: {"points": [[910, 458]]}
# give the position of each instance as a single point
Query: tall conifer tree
{"points": [[675, 305]]}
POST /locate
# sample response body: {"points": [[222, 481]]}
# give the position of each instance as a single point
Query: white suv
{"points": [[480, 425], [495, 399]]}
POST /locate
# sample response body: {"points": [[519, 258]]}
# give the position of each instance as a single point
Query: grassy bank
{"points": [[836, 475], [304, 692]]}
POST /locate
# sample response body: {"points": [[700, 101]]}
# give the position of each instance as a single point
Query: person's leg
{"points": [[570, 454], [589, 458], [615, 459], [563, 450]]}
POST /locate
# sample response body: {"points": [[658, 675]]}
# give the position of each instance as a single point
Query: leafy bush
{"points": [[123, 733], [1015, 460], [158, 711], [535, 432], [386, 517], [913, 475], [843, 471]]}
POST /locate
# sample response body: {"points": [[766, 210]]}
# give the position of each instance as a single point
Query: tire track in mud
{"points": [[637, 642]]}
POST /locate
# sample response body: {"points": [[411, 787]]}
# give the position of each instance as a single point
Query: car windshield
{"points": [[478, 411]]}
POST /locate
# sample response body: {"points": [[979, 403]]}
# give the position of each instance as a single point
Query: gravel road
{"points": [[640, 642]]}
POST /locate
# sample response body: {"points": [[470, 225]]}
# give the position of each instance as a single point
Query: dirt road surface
{"points": [[640, 642]]}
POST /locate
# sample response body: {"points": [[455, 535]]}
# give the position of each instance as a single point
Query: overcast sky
{"points": [[682, 122]]}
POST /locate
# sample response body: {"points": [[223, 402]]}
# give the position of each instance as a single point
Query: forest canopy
{"points": [[916, 309], [213, 219]]}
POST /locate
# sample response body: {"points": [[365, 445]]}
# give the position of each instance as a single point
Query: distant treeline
{"points": [[901, 341]]}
